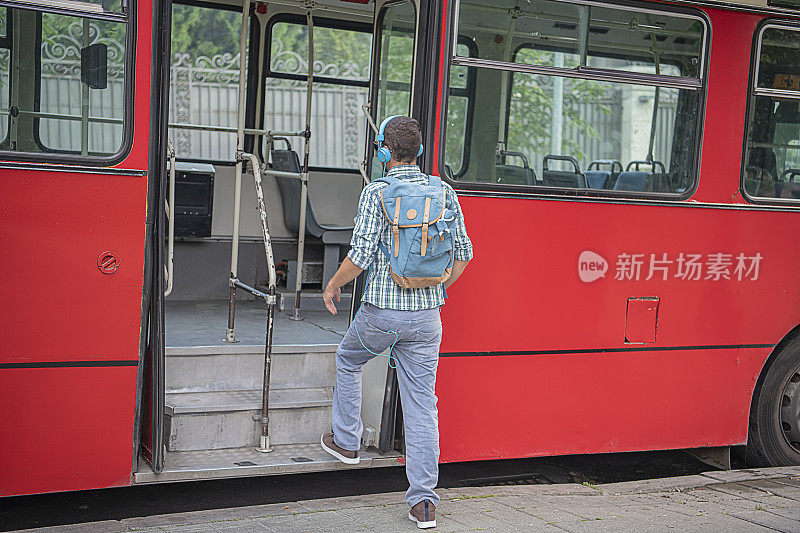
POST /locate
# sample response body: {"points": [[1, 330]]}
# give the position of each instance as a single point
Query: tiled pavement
{"points": [[758, 500]]}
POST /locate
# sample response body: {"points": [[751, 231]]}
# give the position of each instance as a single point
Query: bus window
{"points": [[341, 85], [62, 84], [772, 154], [395, 64], [204, 81], [568, 96]]}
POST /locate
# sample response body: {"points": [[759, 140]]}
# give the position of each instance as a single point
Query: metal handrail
{"points": [[271, 296], [170, 208], [231, 129]]}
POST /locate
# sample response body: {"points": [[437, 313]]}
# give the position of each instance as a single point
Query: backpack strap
{"points": [[435, 181], [426, 215], [396, 227]]}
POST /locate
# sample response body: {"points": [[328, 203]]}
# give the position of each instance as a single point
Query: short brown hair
{"points": [[403, 137]]}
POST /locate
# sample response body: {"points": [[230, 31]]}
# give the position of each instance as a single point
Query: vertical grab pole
{"points": [[263, 443], [230, 332], [301, 233]]}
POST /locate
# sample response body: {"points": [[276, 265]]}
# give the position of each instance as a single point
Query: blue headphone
{"points": [[383, 154]]}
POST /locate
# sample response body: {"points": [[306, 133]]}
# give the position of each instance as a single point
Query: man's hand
{"points": [[329, 295], [347, 272]]}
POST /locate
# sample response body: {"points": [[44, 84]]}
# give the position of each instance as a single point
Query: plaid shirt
{"points": [[372, 226]]}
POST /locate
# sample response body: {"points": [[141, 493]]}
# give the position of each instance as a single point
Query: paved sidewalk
{"points": [[757, 500]]}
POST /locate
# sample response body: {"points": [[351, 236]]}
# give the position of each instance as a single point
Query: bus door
{"points": [[73, 203]]}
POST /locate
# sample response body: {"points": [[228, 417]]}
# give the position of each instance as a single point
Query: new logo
{"points": [[591, 266]]}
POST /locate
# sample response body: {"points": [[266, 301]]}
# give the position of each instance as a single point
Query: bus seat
{"points": [[597, 179], [787, 187], [514, 174], [635, 181], [602, 179], [333, 237], [563, 178], [638, 180]]}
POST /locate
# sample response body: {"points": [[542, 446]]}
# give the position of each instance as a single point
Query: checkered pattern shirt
{"points": [[373, 226]]}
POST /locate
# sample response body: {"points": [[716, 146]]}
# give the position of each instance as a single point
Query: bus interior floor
{"points": [[203, 323]]}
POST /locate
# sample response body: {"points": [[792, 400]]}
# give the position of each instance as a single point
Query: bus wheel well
{"points": [[772, 432], [793, 334]]}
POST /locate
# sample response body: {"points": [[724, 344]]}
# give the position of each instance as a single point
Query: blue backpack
{"points": [[421, 250]]}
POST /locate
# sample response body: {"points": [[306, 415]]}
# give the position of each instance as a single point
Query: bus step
{"points": [[241, 367], [246, 461], [228, 419]]}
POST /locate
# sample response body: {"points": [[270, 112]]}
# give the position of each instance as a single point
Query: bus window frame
{"points": [[468, 93], [128, 6], [300, 20], [605, 74], [608, 75], [71, 157], [754, 91], [349, 25]]}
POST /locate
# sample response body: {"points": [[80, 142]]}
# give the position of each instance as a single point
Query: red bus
{"points": [[627, 171]]}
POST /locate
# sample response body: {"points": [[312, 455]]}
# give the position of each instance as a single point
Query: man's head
{"points": [[403, 138]]}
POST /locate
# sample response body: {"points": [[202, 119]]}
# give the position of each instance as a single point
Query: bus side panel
{"points": [[65, 428], [691, 387], [536, 405]]}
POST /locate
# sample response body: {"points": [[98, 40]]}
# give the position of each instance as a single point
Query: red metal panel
{"points": [[65, 428], [57, 304]]}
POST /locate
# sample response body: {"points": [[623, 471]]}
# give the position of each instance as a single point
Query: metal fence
{"points": [[606, 120], [204, 91]]}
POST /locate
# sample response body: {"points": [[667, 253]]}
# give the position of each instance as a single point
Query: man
{"points": [[405, 319]]}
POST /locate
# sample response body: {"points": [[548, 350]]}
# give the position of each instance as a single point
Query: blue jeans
{"points": [[419, 334]]}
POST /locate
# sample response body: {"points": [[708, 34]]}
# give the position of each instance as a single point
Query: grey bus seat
{"points": [[563, 178], [602, 179], [333, 237], [514, 174]]}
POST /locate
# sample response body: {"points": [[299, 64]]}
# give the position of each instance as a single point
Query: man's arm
{"points": [[458, 269], [363, 247], [347, 272]]}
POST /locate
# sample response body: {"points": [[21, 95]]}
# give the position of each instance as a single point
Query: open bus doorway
{"points": [[212, 378]]}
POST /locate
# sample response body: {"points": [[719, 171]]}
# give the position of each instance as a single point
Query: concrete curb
{"points": [[396, 499], [671, 484]]}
